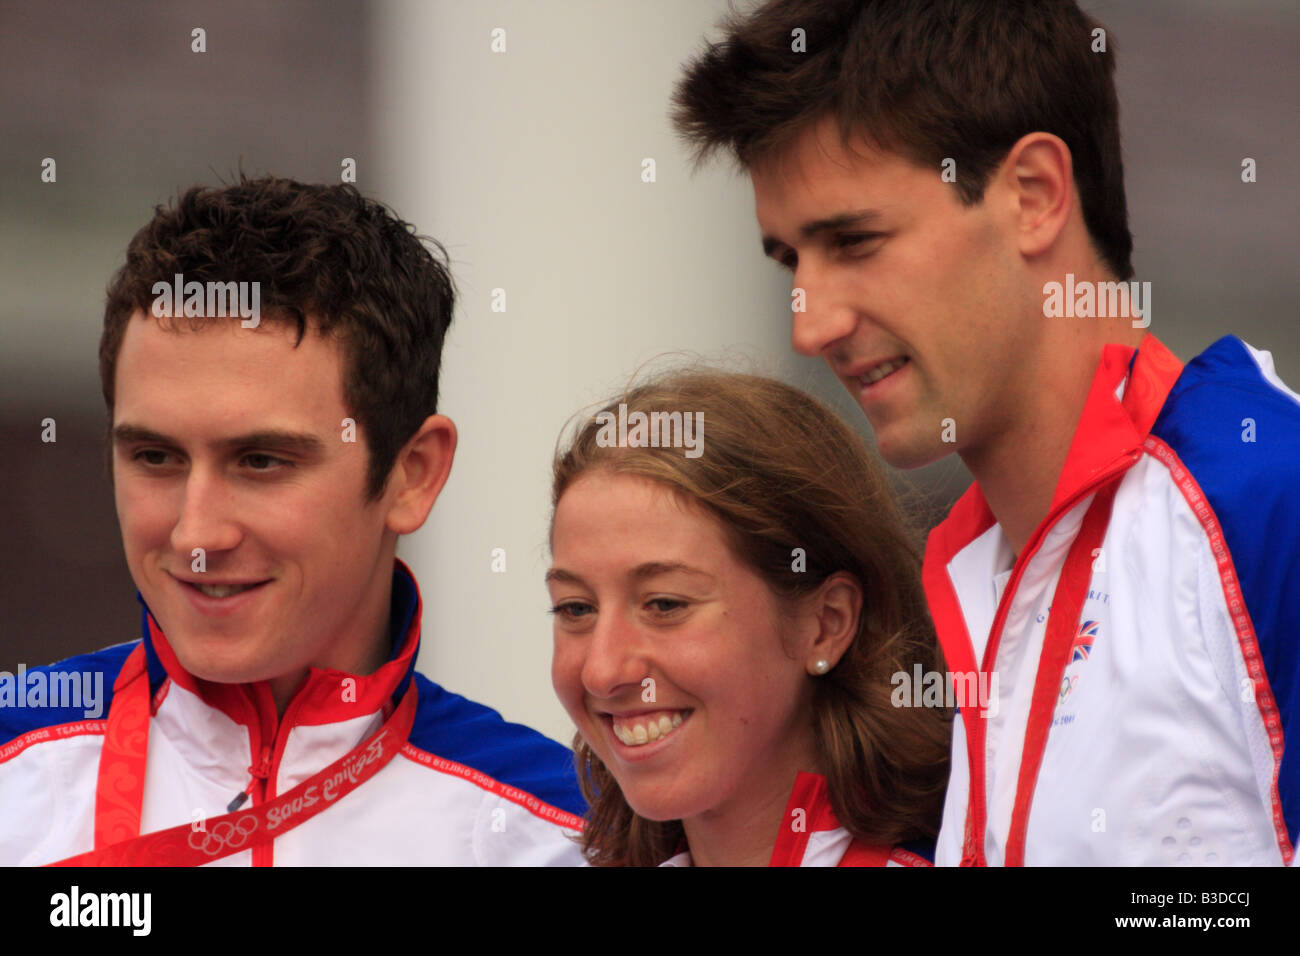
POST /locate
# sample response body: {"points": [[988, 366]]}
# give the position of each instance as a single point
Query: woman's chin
{"points": [[662, 806]]}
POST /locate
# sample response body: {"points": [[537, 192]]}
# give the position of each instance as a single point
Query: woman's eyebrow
{"points": [[655, 568], [649, 569]]}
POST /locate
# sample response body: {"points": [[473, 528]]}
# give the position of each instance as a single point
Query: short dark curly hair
{"points": [[323, 255]]}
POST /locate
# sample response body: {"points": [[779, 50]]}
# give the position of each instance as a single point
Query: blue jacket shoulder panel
{"points": [[1238, 434], [457, 729], [922, 847], [79, 688]]}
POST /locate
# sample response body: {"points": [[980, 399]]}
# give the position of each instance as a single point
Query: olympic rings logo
{"points": [[1067, 685], [223, 834]]}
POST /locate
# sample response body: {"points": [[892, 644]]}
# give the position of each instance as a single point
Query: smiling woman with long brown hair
{"points": [[728, 620]]}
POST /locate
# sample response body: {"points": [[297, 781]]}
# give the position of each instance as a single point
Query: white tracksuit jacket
{"points": [[1168, 740], [467, 789]]}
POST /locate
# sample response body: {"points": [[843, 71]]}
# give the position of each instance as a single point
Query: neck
{"points": [[739, 836], [1018, 474], [362, 644], [1019, 466], [286, 685], [743, 831]]}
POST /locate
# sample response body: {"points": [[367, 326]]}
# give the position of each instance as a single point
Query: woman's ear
{"points": [[831, 616]]}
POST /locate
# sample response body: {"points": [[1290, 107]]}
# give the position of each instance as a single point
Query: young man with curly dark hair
{"points": [[270, 361]]}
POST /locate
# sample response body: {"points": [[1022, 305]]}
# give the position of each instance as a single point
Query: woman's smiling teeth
{"points": [[642, 728]]}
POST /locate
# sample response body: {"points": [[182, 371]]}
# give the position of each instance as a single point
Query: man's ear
{"points": [[418, 474], [1038, 177]]}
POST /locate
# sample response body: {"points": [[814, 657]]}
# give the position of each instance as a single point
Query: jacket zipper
{"points": [[260, 785], [259, 772], [263, 854]]}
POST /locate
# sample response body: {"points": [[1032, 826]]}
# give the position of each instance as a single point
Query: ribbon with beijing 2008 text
{"points": [[193, 844]]}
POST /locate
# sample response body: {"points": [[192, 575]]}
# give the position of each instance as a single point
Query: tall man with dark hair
{"points": [[943, 180], [270, 363]]}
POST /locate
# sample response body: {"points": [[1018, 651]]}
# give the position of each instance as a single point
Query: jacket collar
{"points": [[1128, 390], [318, 700]]}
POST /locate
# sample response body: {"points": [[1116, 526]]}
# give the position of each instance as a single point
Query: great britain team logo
{"points": [[1083, 641], [1080, 650]]}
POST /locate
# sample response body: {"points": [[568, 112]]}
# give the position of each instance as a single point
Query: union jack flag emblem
{"points": [[1082, 646]]}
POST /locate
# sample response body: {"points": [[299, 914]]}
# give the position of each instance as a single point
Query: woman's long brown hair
{"points": [[784, 472]]}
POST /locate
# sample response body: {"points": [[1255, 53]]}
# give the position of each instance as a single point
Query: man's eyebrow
{"points": [[844, 220], [642, 571], [301, 443]]}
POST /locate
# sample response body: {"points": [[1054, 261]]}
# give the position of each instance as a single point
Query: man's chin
{"points": [[226, 676], [218, 670], [906, 452]]}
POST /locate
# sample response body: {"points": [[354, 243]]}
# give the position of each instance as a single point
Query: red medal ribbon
{"points": [[1062, 625], [1062, 628], [120, 794]]}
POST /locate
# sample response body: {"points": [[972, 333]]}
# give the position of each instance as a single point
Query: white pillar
{"points": [[527, 164]]}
